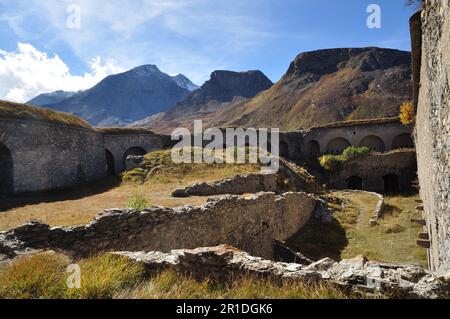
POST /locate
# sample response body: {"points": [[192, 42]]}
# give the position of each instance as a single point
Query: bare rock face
{"points": [[359, 274]]}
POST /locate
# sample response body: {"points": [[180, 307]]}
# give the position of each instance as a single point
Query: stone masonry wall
{"points": [[372, 168], [433, 130], [48, 155], [250, 224]]}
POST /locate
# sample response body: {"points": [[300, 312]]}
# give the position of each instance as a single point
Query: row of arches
{"points": [[390, 181], [373, 142]]}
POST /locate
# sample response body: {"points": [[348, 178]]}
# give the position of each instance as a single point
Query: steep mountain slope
{"points": [[50, 98], [321, 87], [223, 88], [123, 98]]}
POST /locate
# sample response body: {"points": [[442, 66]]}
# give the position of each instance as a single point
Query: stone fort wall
{"points": [[38, 155], [433, 129], [250, 224]]}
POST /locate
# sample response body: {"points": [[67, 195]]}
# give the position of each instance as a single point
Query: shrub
{"points": [[332, 162], [138, 202], [407, 113], [353, 152]]}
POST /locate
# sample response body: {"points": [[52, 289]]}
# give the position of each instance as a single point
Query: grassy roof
{"points": [[10, 110], [123, 130], [386, 120]]}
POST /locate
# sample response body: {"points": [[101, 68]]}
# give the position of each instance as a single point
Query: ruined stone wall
{"points": [[50, 155], [250, 224], [373, 169], [433, 129]]}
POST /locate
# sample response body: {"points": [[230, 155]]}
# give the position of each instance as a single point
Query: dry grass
{"points": [[393, 239], [80, 205], [124, 130], [10, 110], [108, 276]]}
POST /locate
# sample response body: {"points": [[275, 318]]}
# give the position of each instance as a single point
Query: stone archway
{"points": [[110, 163], [313, 148], [355, 182], [391, 183], [6, 172], [337, 145], [133, 151], [374, 143], [402, 141]]}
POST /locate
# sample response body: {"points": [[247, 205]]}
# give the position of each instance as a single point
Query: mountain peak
{"points": [[146, 69]]}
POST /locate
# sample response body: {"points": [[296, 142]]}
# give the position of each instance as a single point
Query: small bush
{"points": [[138, 202], [407, 113], [332, 162]]}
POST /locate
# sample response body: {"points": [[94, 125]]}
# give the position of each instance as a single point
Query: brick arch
{"points": [[337, 145], [374, 143]]}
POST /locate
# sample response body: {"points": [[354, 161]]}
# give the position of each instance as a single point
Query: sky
{"points": [[73, 44]]}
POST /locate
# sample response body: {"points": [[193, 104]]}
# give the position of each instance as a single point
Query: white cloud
{"points": [[28, 72]]}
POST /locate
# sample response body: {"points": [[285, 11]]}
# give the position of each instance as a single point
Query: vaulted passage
{"points": [[391, 184], [337, 145], [374, 143], [110, 163], [402, 141], [6, 172], [134, 151], [313, 148], [355, 182]]}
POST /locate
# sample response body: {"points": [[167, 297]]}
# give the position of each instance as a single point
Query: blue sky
{"points": [[39, 53]]}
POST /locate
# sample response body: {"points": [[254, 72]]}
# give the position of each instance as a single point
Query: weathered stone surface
{"points": [[250, 223], [395, 280], [433, 129], [290, 177]]}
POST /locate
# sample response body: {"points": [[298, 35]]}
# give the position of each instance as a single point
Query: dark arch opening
{"points": [[313, 148], [337, 145], [402, 141], [391, 184], [6, 172], [355, 182], [110, 163], [133, 151], [284, 150], [374, 143]]}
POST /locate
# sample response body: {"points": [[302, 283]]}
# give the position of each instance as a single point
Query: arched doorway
{"points": [[284, 150], [6, 172], [402, 141], [110, 163], [133, 151], [391, 184], [337, 145], [374, 143], [355, 182], [313, 148]]}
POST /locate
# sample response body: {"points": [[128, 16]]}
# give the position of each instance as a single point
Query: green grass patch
{"points": [[332, 162]]}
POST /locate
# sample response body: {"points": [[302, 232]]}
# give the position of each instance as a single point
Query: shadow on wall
{"points": [[317, 240], [6, 172], [72, 193]]}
